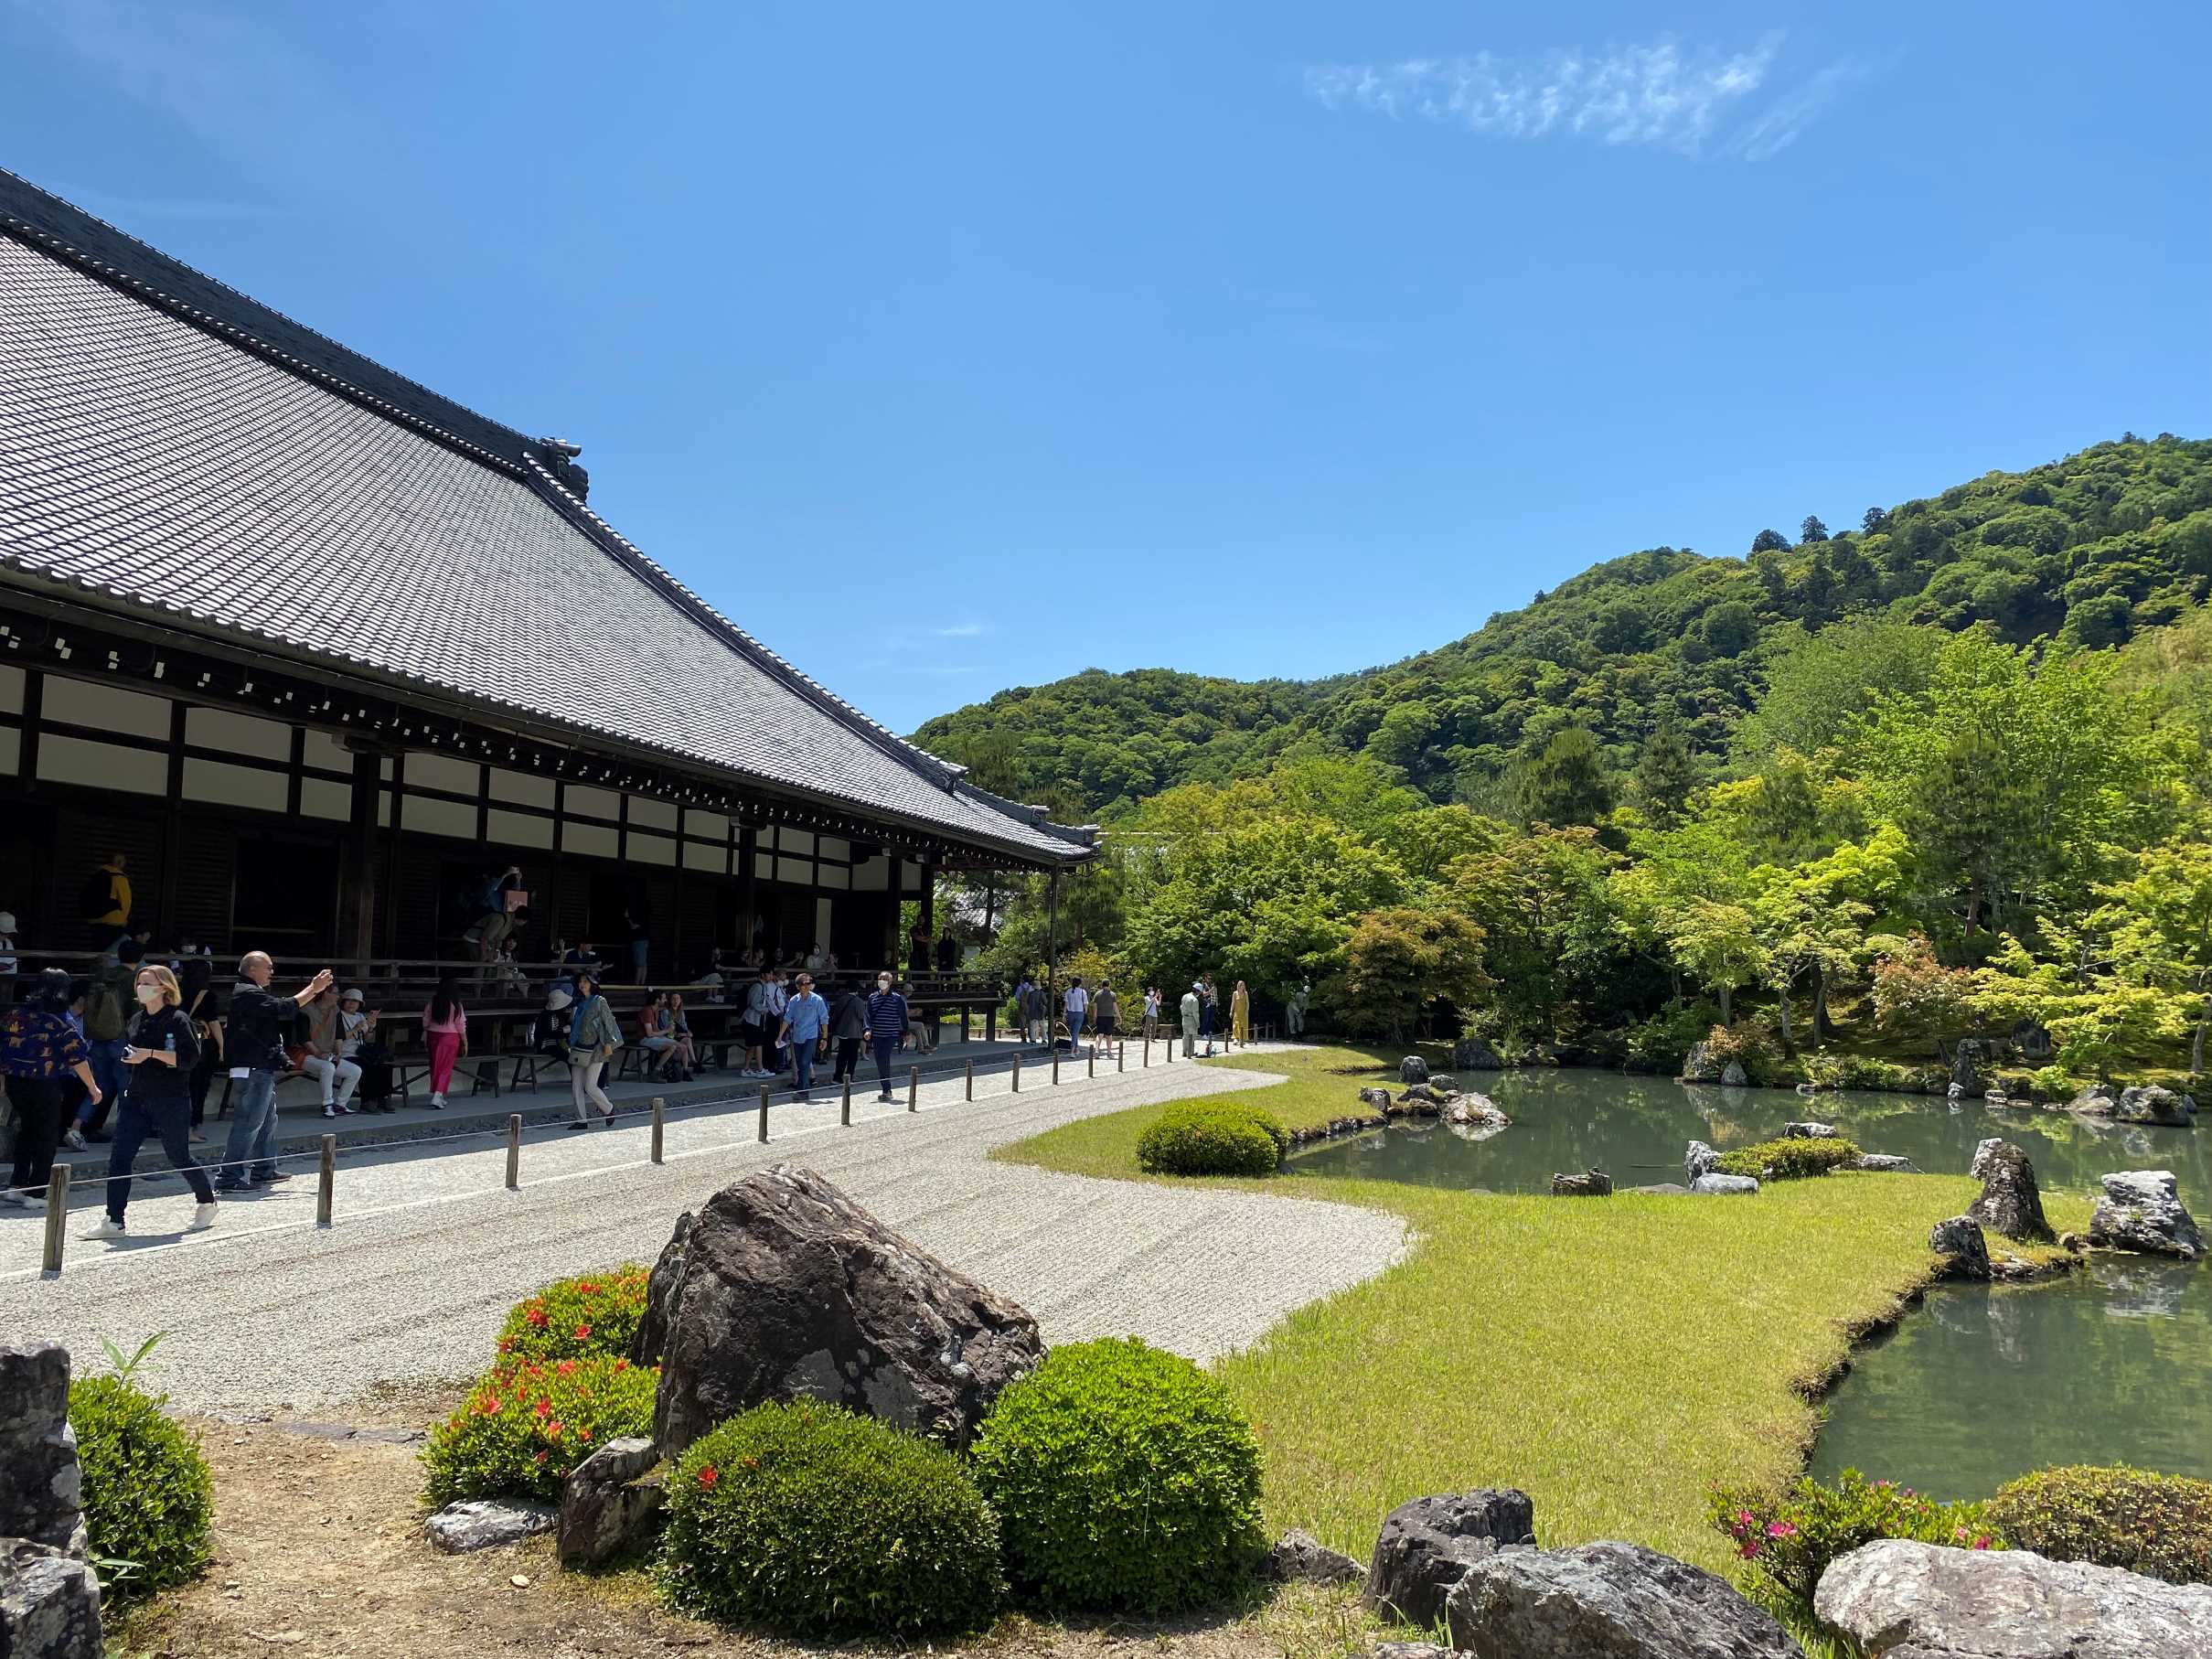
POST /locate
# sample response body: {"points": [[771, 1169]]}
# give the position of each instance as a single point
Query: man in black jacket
{"points": [[261, 1024]]}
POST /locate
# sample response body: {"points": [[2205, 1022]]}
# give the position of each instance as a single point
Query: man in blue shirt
{"points": [[805, 1027], [886, 1029]]}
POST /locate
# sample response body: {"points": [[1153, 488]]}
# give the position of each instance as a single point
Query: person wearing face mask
{"points": [[886, 1029], [160, 1051]]}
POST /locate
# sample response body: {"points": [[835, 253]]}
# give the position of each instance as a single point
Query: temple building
{"points": [[316, 650]]}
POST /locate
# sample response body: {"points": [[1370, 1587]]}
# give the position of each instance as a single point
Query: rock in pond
{"points": [[2155, 1104], [1298, 1554], [1591, 1184], [1959, 1237], [1700, 1160], [1700, 1065], [1808, 1130], [1375, 1100], [784, 1287], [1717, 1185], [1966, 1062], [1473, 1055], [610, 1504], [2140, 1211], [1427, 1546], [475, 1523], [1895, 1596], [2010, 1202], [1413, 1069], [1605, 1601], [2097, 1100], [1476, 1110], [1884, 1164], [1733, 1076], [49, 1603]]}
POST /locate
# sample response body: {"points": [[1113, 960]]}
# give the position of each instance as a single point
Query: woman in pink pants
{"points": [[445, 1034]]}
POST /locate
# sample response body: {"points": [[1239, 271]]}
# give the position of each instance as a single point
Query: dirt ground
{"points": [[319, 1550]]}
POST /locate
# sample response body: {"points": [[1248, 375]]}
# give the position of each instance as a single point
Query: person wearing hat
{"points": [[358, 1042], [338, 1076], [39, 1048], [593, 1036]]}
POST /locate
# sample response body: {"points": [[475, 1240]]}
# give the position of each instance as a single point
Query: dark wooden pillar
{"points": [[750, 923], [929, 901], [361, 913], [894, 951], [1052, 941]]}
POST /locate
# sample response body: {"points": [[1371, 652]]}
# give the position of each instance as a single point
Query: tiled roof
{"points": [[246, 482]]}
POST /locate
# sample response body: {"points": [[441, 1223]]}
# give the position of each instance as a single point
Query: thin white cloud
{"points": [[962, 630], [1665, 94]]}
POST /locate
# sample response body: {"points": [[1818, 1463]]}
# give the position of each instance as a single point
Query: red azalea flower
{"points": [[566, 1367], [537, 1317], [583, 1434], [491, 1405], [553, 1428], [622, 1364], [1746, 1549], [541, 1457], [1780, 1529], [1981, 1543], [707, 1477], [583, 1331]]}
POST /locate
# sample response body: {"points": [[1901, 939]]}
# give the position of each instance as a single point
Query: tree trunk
{"points": [[1783, 999], [2196, 1044], [1820, 1007], [1724, 1004]]}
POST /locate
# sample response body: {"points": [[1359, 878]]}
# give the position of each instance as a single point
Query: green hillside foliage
{"points": [[1870, 791], [2089, 551]]}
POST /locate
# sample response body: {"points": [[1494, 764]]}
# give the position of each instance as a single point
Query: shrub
{"points": [[1790, 1158], [592, 1313], [528, 1422], [147, 1495], [816, 1520], [1790, 1540], [1211, 1139], [2052, 1083], [1751, 1046], [2155, 1523], [1662, 1043], [1125, 1478]]}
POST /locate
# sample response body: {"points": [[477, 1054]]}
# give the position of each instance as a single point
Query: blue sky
{"points": [[949, 349]]}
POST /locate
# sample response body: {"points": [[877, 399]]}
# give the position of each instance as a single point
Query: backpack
{"points": [[102, 1010]]}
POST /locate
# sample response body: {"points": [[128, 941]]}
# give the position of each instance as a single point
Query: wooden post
{"points": [[1090, 1062], [660, 1115], [326, 1181], [1121, 1055], [1147, 1054], [1055, 1065], [764, 1114], [845, 1109], [1016, 1071], [57, 1216], [971, 1080], [914, 1089], [514, 1152]]}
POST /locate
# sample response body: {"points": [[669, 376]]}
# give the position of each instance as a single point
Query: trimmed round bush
{"points": [[817, 1522], [1789, 1159], [2160, 1524], [148, 1499], [528, 1422], [1208, 1138], [592, 1314], [1125, 1479]]}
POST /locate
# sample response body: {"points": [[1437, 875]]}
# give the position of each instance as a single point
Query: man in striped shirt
{"points": [[886, 1029]]}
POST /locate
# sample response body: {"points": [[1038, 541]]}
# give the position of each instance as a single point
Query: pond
{"points": [[1979, 1383], [1635, 1128]]}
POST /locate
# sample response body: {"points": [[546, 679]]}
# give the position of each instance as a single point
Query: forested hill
{"points": [[2084, 550]]}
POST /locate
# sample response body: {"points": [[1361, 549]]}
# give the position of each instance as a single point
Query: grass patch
{"points": [[1611, 1358]]}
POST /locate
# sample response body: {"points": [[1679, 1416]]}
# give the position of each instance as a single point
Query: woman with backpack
{"points": [[445, 1034], [593, 1036], [158, 1058]]}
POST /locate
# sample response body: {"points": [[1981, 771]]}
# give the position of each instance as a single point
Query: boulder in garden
{"points": [[1375, 1100], [1605, 1601], [2010, 1202], [782, 1287], [1298, 1554], [49, 1603], [1714, 1184], [1413, 1069], [1427, 1546], [1591, 1184], [1897, 1597], [1733, 1076], [1958, 1240], [475, 1524], [610, 1503], [1884, 1164], [2097, 1100], [41, 1489], [1700, 1160], [1700, 1065], [1808, 1130], [2141, 1211], [1473, 1055], [2155, 1103]]}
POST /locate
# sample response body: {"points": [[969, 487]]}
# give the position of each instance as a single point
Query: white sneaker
{"points": [[75, 1139], [109, 1227], [203, 1217], [329, 1110]]}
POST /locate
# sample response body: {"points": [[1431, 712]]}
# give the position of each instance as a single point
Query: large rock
{"points": [[2010, 1202], [1909, 1600], [1959, 1239], [1298, 1554], [1427, 1546], [1478, 1111], [1733, 1076], [1701, 1064], [1413, 1069], [1714, 1184], [2031, 1040], [475, 1524], [1591, 1184], [651, 1338], [1605, 1601], [786, 1287], [1700, 1160], [610, 1503], [2140, 1211], [1473, 1055], [1375, 1100], [2097, 1100], [1884, 1164], [49, 1603], [1967, 1062], [2155, 1103], [1808, 1130], [41, 1490]]}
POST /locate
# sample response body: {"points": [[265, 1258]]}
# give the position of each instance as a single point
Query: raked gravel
{"points": [[270, 1314]]}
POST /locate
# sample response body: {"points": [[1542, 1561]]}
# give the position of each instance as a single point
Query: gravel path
{"points": [[268, 1313]]}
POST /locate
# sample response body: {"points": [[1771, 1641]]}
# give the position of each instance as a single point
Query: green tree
{"points": [[1565, 782], [1769, 541], [1542, 902], [2159, 922], [1666, 774], [1820, 685], [1813, 529], [1399, 964]]}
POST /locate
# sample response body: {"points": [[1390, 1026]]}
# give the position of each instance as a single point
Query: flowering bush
{"points": [[1913, 993], [1751, 1044], [592, 1313], [528, 1422], [1789, 1541], [1790, 1158]]}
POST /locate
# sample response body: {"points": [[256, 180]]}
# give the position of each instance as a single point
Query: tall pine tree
{"points": [[1666, 772]]}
